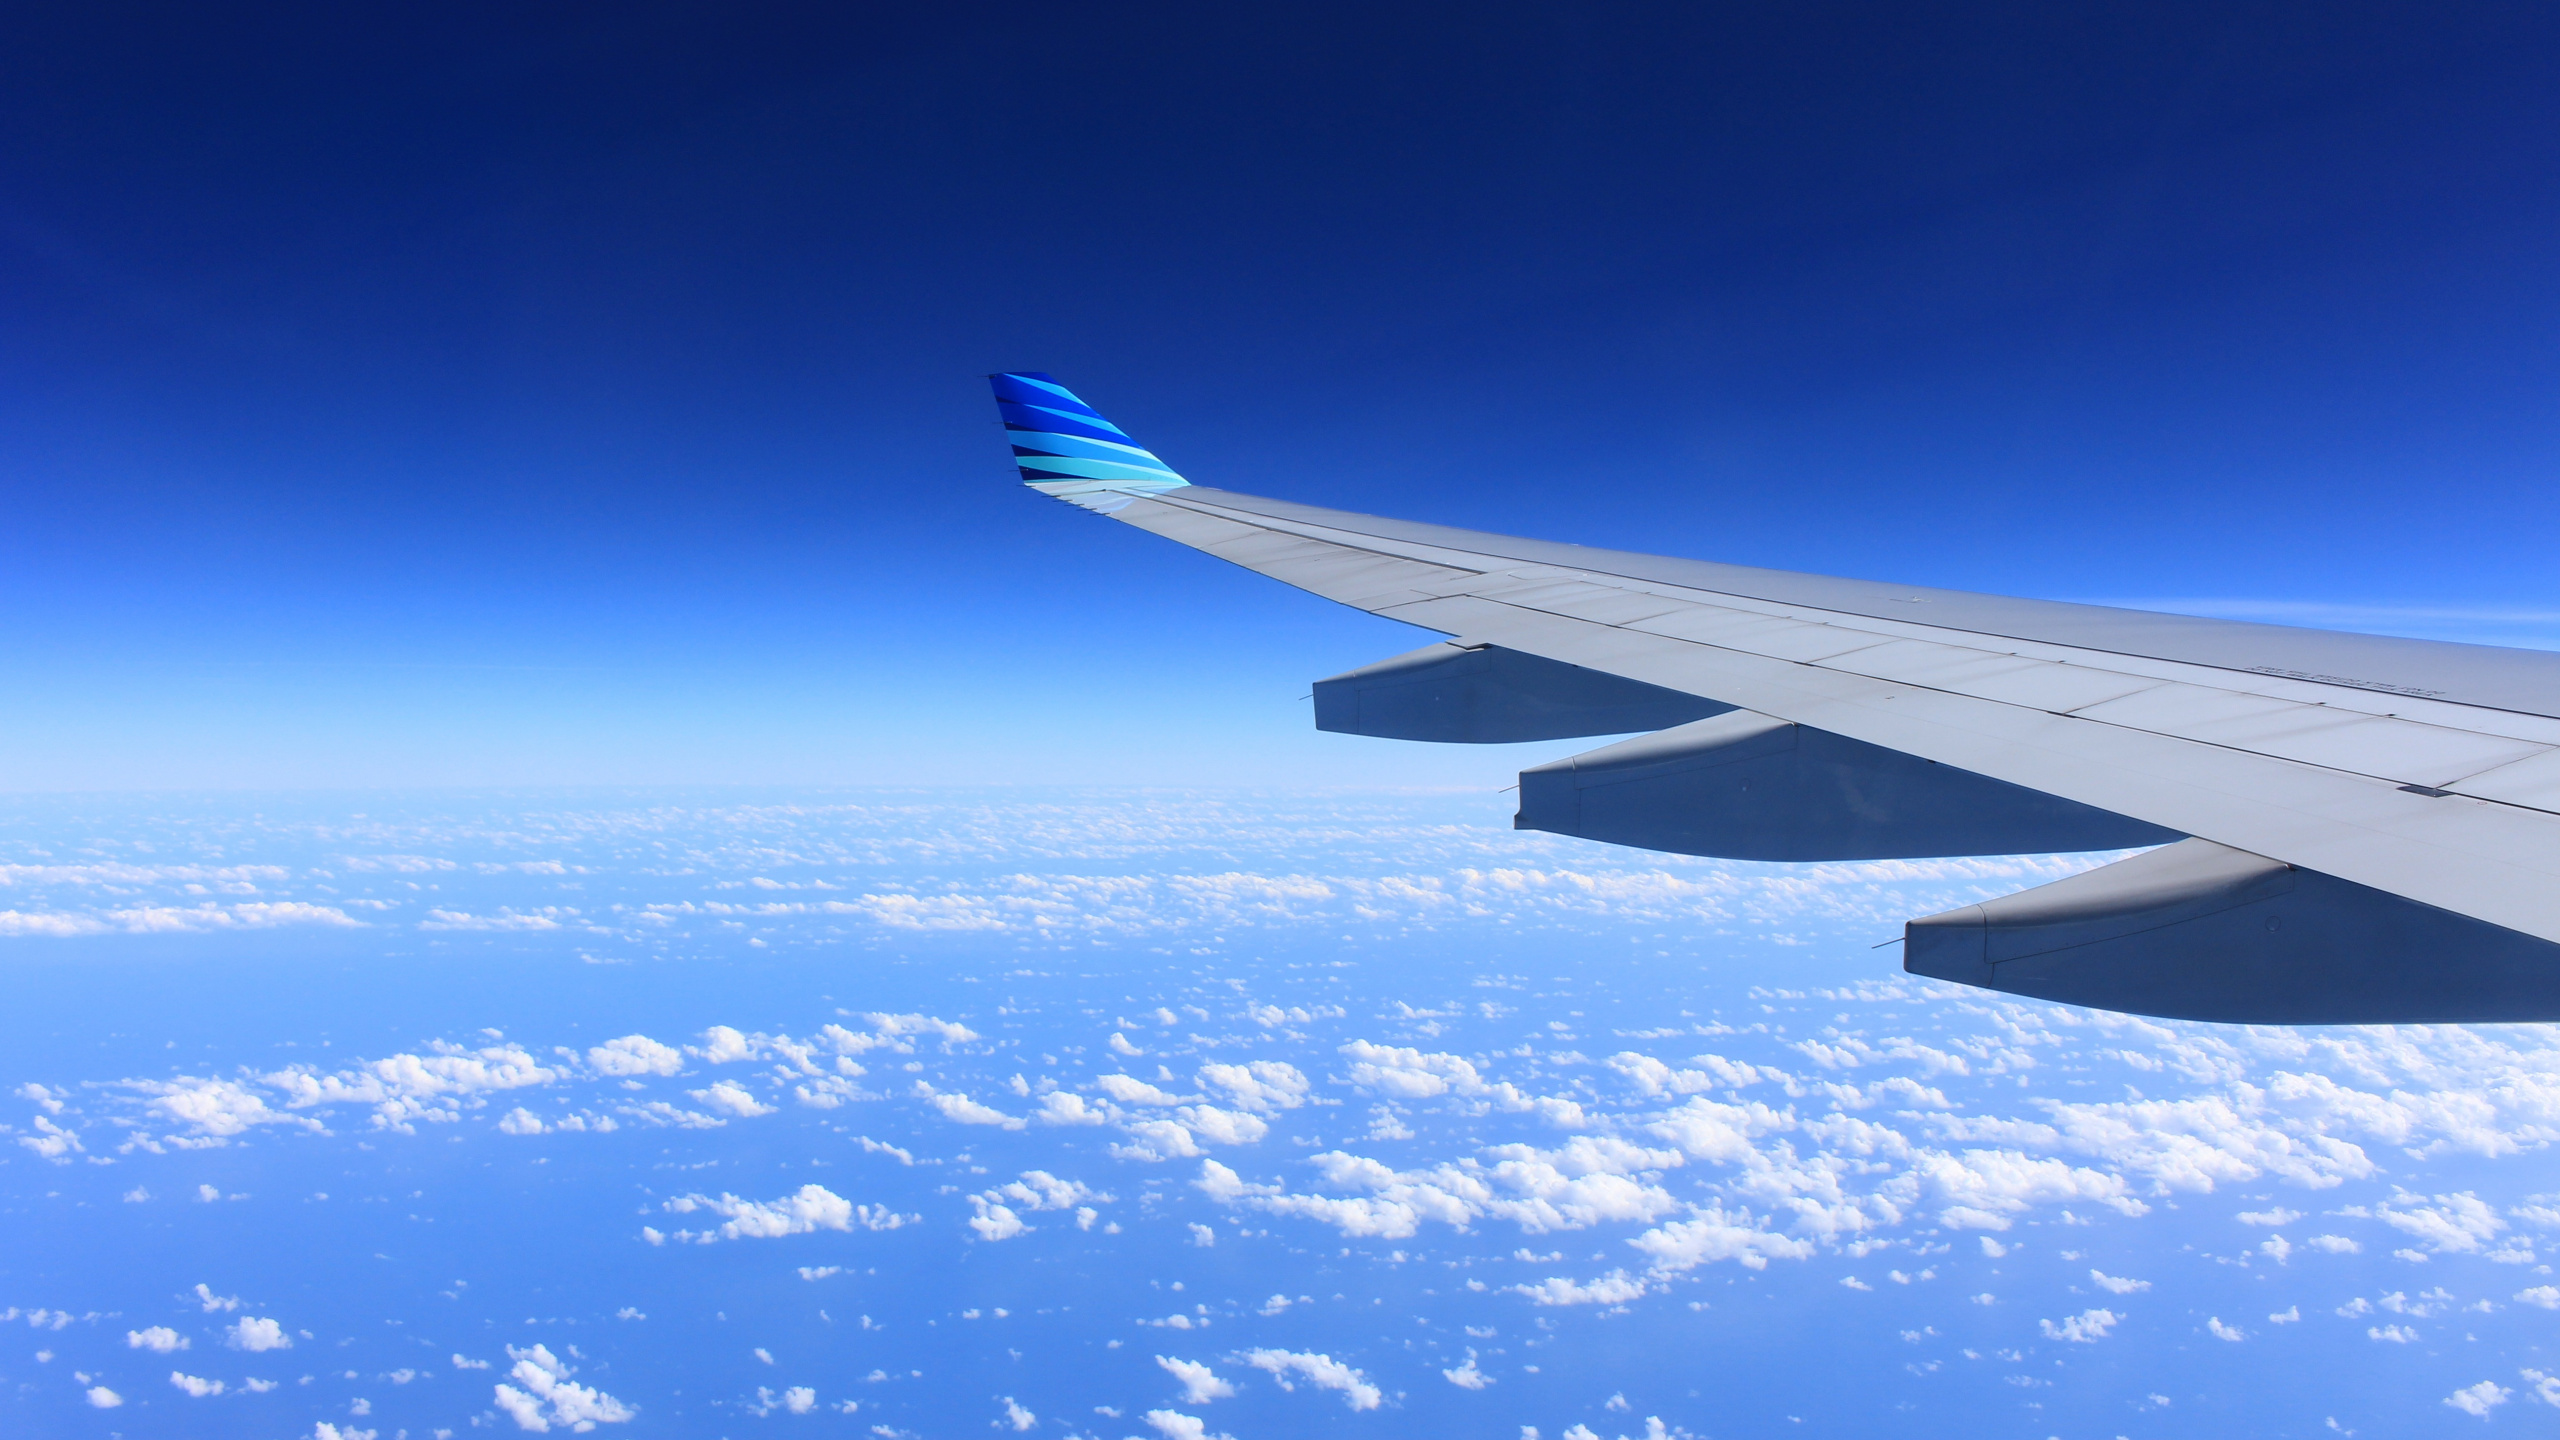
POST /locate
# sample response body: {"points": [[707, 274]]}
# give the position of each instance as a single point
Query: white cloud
{"points": [[159, 1339], [722, 1045], [2086, 1328], [995, 1222], [810, 1208], [2546, 1296], [1322, 1371], [406, 1089], [1018, 1416], [1156, 1140], [255, 1334], [1466, 1376], [1174, 1425], [1614, 1288], [1063, 1107], [2451, 1225], [507, 918], [898, 1028], [957, 1106], [102, 1398], [1406, 1073], [196, 1385], [2116, 1284], [1200, 1384], [218, 1108], [550, 1397], [1222, 1127], [1262, 1086], [634, 1055], [1130, 1090], [730, 1098], [2220, 1331], [1714, 1234], [2479, 1399], [212, 1302]]}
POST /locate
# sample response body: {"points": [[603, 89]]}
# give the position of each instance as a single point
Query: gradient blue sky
{"points": [[590, 394]]}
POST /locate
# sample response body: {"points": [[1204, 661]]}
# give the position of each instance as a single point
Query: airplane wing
{"points": [[2351, 828]]}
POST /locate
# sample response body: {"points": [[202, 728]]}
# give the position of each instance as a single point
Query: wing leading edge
{"points": [[2373, 824]]}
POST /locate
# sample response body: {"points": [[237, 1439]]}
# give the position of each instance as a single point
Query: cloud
{"points": [[2458, 1224], [2480, 1399], [957, 1106], [1017, 1416], [808, 1209], [175, 920], [196, 1385], [1262, 1086], [1405, 1073], [634, 1055], [1614, 1288], [159, 1339], [1466, 1376], [102, 1398], [2117, 1285], [731, 1098], [215, 1108], [1290, 1368], [255, 1334], [1036, 1190], [1062, 1107], [1712, 1234], [722, 1045], [2086, 1328], [1130, 1090], [1200, 1384], [405, 1089], [1174, 1425], [546, 918], [898, 1032], [1156, 1140], [550, 1397], [1222, 1127]]}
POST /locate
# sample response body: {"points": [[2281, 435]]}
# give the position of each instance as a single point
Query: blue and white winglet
{"points": [[1066, 449]]}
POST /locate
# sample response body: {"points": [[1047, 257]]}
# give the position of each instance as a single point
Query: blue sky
{"points": [[580, 852], [592, 397]]}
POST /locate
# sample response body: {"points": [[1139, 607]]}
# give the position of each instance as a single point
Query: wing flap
{"points": [[2533, 782]]}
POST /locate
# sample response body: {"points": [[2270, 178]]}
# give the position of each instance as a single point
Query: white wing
{"points": [[2421, 770]]}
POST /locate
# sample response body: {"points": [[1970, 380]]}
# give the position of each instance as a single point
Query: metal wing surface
{"points": [[2396, 802]]}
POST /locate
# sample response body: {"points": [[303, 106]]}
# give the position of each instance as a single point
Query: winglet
{"points": [[1066, 449]]}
